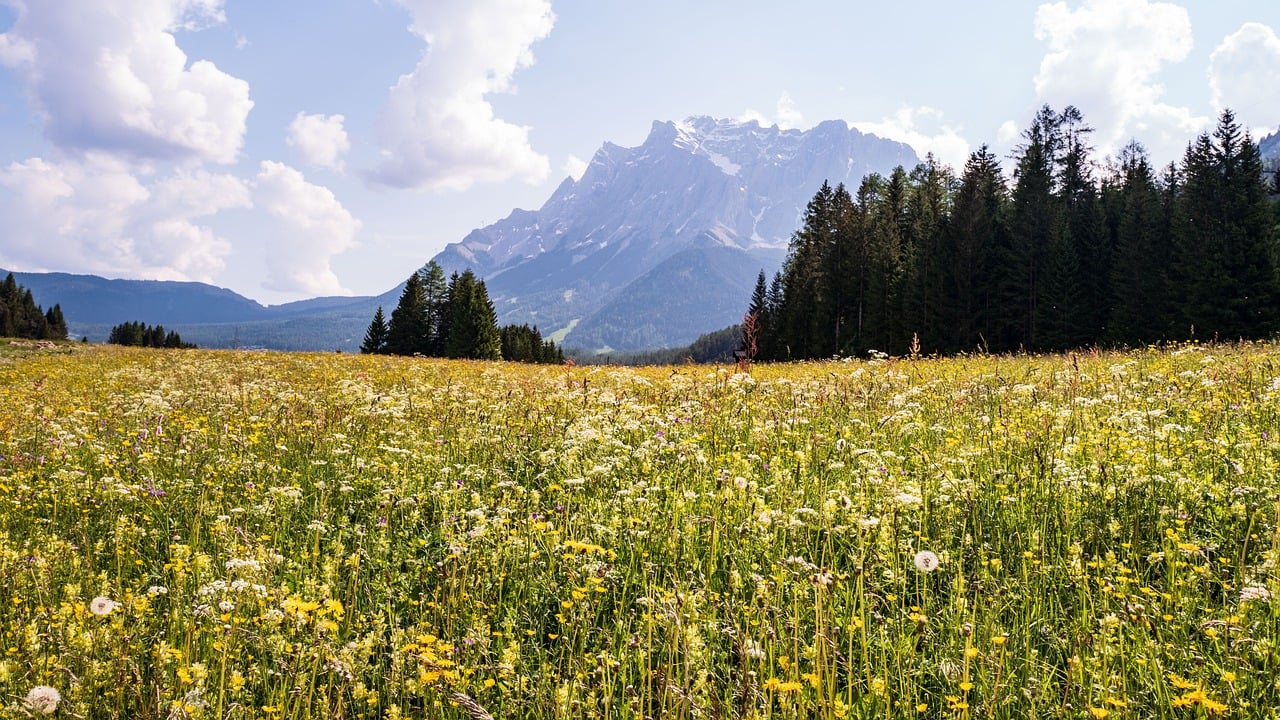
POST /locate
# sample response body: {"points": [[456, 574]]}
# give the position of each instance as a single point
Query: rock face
{"points": [[659, 243]]}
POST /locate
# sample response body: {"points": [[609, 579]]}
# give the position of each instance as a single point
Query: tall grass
{"points": [[320, 536]]}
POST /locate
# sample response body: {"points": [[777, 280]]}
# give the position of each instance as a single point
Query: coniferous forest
{"points": [[453, 319], [1067, 253], [137, 334], [21, 317]]}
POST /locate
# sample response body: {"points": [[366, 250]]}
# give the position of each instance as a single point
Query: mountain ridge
{"points": [[643, 251], [695, 183]]}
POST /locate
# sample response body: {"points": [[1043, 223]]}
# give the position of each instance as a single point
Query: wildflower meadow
{"points": [[197, 534]]}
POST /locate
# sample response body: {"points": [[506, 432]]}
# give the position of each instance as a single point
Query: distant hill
{"points": [[203, 314], [90, 299]]}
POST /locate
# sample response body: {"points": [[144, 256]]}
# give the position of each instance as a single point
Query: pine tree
{"points": [[1139, 273], [1224, 252], [472, 323], [408, 331], [55, 324], [1086, 295], [925, 296], [1034, 220], [375, 338], [759, 311], [435, 289], [973, 233]]}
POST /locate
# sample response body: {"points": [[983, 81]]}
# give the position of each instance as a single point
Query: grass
{"points": [[327, 536]]}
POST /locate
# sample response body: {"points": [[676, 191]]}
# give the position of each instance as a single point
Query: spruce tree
{"points": [[1139, 273], [1034, 220], [762, 330], [435, 290], [1224, 259], [472, 323], [375, 338], [974, 234], [55, 324], [407, 333]]}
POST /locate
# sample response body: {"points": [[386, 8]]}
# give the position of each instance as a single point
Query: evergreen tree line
{"points": [[21, 317], [136, 334], [453, 319], [1069, 254]]}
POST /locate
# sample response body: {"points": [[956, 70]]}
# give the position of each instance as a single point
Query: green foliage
{"points": [[435, 319], [521, 343], [375, 338], [21, 317], [920, 262], [137, 334]]}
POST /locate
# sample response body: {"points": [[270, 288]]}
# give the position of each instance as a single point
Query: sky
{"points": [[289, 149]]}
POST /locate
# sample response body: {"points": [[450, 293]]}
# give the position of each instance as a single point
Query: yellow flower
{"points": [[1099, 713]]}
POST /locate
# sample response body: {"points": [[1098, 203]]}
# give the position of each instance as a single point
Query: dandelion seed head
{"points": [[102, 606], [926, 561], [43, 699]]}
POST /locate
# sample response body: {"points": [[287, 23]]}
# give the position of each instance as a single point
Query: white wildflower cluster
{"points": [[1254, 592]]}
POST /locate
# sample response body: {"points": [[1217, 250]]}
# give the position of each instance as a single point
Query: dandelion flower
{"points": [[102, 606], [926, 561], [43, 700]]}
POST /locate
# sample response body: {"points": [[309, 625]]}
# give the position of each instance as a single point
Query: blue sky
{"points": [[290, 149]]}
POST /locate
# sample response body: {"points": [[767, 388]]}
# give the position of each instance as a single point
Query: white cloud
{"points": [[94, 215], [1008, 132], [110, 77], [1105, 58], [574, 166], [787, 115], [438, 129], [312, 227], [923, 129], [320, 140], [1244, 74]]}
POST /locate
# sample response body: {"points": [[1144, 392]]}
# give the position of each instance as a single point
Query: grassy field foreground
{"points": [[249, 535]]}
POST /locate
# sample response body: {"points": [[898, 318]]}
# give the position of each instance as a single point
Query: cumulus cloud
{"points": [[312, 227], [786, 115], [110, 77], [93, 214], [924, 130], [320, 140], [574, 167], [438, 129], [1244, 73], [1105, 58]]}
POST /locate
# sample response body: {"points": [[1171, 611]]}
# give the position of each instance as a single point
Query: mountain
{"points": [[655, 244], [1269, 146]]}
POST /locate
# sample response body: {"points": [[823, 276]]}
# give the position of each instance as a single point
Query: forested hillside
{"points": [[1067, 253]]}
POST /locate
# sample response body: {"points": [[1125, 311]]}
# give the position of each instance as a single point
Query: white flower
{"points": [[925, 561], [102, 606], [157, 590], [908, 499], [1254, 592], [43, 699]]}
